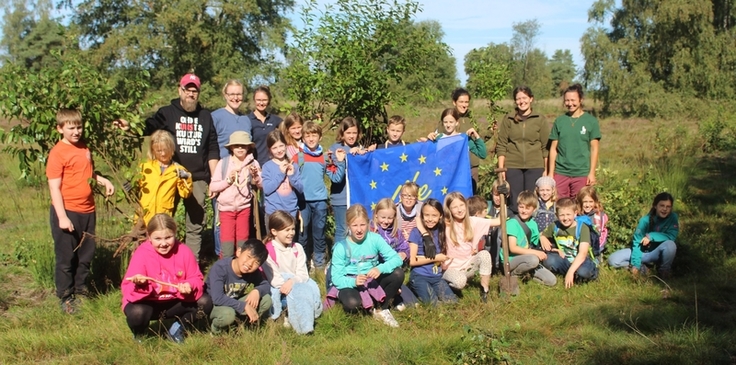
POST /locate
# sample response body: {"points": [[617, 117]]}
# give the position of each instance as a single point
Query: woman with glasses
{"points": [[227, 120]]}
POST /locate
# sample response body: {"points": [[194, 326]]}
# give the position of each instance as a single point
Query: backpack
{"points": [[595, 236]]}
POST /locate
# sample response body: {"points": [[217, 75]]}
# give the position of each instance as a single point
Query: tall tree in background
{"points": [[657, 54], [522, 41], [489, 71], [215, 39], [562, 68], [438, 75], [29, 33], [349, 54]]}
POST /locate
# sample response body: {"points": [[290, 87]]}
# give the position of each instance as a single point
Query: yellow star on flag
{"points": [[403, 157], [422, 159], [437, 171], [373, 184], [444, 190], [384, 166], [373, 206]]}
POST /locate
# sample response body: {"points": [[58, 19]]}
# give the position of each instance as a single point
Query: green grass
{"points": [[690, 319]]}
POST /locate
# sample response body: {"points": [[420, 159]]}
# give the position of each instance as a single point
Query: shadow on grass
{"points": [[688, 322]]}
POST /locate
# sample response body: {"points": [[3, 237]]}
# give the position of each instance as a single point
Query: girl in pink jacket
{"points": [[163, 281], [233, 178]]}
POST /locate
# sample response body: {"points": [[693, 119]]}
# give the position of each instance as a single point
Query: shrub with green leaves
{"points": [[30, 99]]}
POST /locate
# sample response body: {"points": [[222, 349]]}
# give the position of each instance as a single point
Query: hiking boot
{"points": [[176, 332], [385, 316], [69, 306], [483, 295]]}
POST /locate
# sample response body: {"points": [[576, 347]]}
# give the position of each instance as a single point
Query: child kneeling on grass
{"points": [[427, 256], [358, 278], [238, 288], [523, 236], [286, 270], [654, 240], [163, 281], [574, 257]]}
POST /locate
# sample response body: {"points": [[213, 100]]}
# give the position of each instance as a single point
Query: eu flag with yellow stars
{"points": [[439, 168]]}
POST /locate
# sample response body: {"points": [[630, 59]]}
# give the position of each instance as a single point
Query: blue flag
{"points": [[438, 168]]}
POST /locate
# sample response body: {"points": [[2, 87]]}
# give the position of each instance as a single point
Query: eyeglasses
{"points": [[407, 196], [190, 91], [234, 95]]}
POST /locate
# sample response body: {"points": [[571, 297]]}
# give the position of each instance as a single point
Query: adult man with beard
{"points": [[196, 149]]}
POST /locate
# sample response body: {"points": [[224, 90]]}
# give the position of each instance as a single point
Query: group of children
{"points": [[441, 244]]}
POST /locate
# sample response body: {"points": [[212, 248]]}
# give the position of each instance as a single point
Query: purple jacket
{"points": [[398, 243]]}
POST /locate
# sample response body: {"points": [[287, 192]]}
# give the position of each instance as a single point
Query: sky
{"points": [[472, 24]]}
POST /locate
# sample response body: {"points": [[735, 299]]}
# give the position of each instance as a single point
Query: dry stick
{"points": [[157, 281], [257, 215]]}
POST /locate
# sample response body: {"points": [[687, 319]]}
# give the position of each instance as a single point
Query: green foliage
{"points": [[482, 347], [440, 74], [34, 97], [656, 56], [718, 131], [30, 36], [625, 200], [349, 54], [38, 258], [562, 69], [216, 39]]}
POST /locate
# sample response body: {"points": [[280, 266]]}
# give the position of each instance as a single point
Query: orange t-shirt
{"points": [[73, 164]]}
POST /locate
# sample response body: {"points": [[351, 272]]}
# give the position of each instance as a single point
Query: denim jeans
{"points": [[431, 289], [312, 237], [662, 255], [558, 265], [341, 226]]}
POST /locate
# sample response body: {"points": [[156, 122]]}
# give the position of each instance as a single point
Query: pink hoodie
{"points": [[178, 266], [233, 198]]}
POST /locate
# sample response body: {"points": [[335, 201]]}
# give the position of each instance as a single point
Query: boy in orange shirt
{"points": [[68, 170]]}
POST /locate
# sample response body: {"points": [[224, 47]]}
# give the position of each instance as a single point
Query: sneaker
{"points": [[385, 316], [69, 306], [664, 274], [138, 338], [401, 307], [286, 322], [176, 332]]}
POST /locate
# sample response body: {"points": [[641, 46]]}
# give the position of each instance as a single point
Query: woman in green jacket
{"points": [[522, 145]]}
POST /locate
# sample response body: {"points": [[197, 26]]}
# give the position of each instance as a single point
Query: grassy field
{"points": [[690, 319]]}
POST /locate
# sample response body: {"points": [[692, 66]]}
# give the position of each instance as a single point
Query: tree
{"points": [[34, 97], [658, 54], [441, 74], [215, 39], [350, 54], [562, 68], [30, 36], [522, 41], [489, 71]]}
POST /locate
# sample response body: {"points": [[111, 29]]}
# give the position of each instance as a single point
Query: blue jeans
{"points": [[558, 265], [314, 216], [341, 226], [431, 289], [662, 255], [216, 226]]}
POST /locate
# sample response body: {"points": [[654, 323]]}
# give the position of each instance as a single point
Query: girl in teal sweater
{"points": [[654, 240], [359, 279]]}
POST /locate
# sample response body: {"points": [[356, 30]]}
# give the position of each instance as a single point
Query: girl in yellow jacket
{"points": [[162, 178]]}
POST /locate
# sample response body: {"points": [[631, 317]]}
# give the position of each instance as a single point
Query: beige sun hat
{"points": [[239, 138]]}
